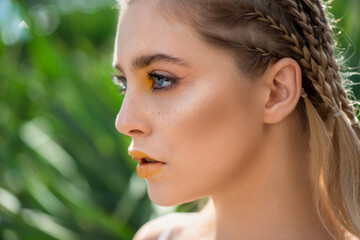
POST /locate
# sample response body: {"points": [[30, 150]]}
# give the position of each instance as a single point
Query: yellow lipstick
{"points": [[147, 167]]}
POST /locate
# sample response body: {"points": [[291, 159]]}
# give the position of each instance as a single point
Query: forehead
{"points": [[142, 29], [140, 20]]}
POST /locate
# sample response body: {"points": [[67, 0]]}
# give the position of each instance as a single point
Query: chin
{"points": [[166, 199], [163, 200]]}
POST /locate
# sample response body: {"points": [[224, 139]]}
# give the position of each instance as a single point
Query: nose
{"points": [[132, 117]]}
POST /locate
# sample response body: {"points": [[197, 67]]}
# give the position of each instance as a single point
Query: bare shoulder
{"points": [[152, 229]]}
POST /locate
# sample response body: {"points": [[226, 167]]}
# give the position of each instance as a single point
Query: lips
{"points": [[147, 167], [142, 157]]}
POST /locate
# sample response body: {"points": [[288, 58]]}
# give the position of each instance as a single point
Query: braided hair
{"points": [[260, 32]]}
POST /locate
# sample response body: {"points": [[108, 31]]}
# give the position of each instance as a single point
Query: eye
{"points": [[161, 83], [119, 81]]}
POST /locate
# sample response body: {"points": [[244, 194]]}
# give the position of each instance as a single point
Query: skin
{"points": [[220, 134]]}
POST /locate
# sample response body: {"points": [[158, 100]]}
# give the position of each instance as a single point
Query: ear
{"points": [[283, 81]]}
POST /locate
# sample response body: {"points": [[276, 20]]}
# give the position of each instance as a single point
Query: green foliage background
{"points": [[64, 170]]}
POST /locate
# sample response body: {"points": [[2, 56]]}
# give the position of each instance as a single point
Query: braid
{"points": [[313, 71], [315, 45], [325, 29], [324, 34], [318, 62]]}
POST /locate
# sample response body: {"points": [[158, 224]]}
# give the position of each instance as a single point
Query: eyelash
{"points": [[121, 81]]}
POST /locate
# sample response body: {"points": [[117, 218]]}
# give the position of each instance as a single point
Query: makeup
{"points": [[147, 166], [147, 170]]}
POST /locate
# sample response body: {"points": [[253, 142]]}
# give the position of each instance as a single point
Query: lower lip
{"points": [[147, 170]]}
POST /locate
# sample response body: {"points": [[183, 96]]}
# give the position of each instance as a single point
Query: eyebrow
{"points": [[143, 61]]}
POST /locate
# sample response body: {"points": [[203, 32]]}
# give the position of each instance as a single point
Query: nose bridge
{"points": [[131, 119]]}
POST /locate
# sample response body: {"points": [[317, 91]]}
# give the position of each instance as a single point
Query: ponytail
{"points": [[343, 176]]}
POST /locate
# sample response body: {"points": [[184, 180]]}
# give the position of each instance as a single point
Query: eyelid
{"points": [[162, 74], [173, 81]]}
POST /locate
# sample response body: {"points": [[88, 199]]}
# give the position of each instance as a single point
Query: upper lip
{"points": [[137, 155]]}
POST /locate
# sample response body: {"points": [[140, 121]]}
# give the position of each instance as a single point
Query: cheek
{"points": [[209, 136], [213, 115]]}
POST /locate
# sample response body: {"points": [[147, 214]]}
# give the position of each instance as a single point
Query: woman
{"points": [[240, 101]]}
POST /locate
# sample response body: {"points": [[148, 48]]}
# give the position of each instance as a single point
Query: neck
{"points": [[272, 198]]}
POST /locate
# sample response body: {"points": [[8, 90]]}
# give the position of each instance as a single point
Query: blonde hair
{"points": [[259, 32]]}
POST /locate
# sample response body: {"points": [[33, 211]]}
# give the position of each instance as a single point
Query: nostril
{"points": [[135, 131]]}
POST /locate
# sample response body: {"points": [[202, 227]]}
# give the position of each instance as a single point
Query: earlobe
{"points": [[284, 81]]}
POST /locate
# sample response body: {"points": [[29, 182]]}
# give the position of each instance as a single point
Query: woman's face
{"points": [[206, 127]]}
